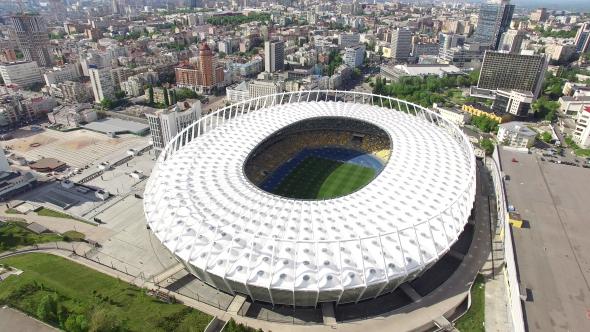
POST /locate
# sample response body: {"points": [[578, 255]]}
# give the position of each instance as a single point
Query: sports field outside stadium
{"points": [[320, 178]]}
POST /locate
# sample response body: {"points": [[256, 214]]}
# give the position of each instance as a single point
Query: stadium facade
{"points": [[205, 204]]}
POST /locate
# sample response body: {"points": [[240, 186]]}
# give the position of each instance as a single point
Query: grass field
{"points": [[473, 320], [318, 178], [70, 296], [14, 234], [45, 212]]}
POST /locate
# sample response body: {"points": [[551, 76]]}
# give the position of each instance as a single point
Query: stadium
{"points": [[310, 197]]}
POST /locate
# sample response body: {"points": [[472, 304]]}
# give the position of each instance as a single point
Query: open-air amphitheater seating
{"points": [[281, 151]]}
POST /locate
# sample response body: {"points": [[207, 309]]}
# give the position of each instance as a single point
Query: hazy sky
{"points": [[583, 5]]}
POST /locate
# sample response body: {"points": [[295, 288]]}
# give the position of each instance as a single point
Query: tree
{"points": [[172, 97], [106, 103], [546, 137], [484, 123], [545, 108], [76, 323], [120, 94], [151, 95], [487, 145], [166, 98], [103, 320], [47, 308]]}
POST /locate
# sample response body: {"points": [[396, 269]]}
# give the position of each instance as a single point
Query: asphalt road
{"points": [[552, 253]]}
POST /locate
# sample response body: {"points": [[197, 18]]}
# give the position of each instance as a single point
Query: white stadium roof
{"points": [[239, 238]]}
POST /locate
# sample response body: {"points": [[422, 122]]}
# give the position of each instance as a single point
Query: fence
{"points": [[511, 271]]}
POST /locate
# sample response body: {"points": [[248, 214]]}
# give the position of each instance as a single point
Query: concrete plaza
{"points": [[551, 251]]}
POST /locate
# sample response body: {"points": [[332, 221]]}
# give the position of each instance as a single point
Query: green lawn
{"points": [[473, 320], [45, 212], [89, 299], [322, 178], [232, 326], [14, 234], [12, 211]]}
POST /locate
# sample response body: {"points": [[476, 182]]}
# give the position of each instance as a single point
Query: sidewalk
{"points": [[497, 314], [62, 225]]}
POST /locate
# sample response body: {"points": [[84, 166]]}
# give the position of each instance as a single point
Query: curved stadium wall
{"points": [[240, 239]]}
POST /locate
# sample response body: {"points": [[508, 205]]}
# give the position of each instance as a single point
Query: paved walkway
{"points": [[15, 321], [62, 225]]}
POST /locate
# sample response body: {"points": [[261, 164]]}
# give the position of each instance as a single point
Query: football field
{"points": [[319, 178]]}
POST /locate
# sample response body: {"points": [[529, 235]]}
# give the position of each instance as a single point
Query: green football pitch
{"points": [[319, 178]]}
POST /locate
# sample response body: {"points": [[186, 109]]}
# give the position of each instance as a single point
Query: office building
{"points": [[582, 132], [133, 87], [517, 103], [396, 72], [539, 15], [501, 70], [401, 44], [69, 72], [72, 116], [447, 41], [493, 20], [166, 124], [15, 110], [13, 182], [258, 88], [560, 53], [274, 56], [462, 56], [237, 92], [511, 41], [348, 39], [456, 116], [354, 56], [102, 84], [32, 38], [23, 74], [583, 38], [70, 91], [516, 134]]}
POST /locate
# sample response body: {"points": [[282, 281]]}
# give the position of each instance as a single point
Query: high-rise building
{"points": [[166, 124], [69, 72], [582, 132], [354, 56], [274, 56], [539, 15], [502, 70], [349, 39], [517, 103], [401, 44], [206, 65], [493, 20], [449, 40], [583, 38], [511, 41], [207, 73], [21, 73], [32, 37], [102, 84]]}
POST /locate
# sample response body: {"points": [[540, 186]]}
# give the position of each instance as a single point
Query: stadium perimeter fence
{"points": [[510, 270]]}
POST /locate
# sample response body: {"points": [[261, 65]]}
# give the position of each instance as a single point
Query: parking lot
{"points": [[76, 148], [552, 248]]}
